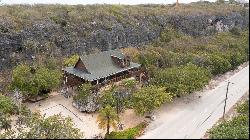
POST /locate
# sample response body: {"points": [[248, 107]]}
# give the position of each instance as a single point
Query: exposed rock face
{"points": [[66, 38]]}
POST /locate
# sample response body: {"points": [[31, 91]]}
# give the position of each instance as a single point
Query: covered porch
{"points": [[116, 78]]}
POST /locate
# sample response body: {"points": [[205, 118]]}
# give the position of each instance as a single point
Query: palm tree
{"points": [[107, 117]]}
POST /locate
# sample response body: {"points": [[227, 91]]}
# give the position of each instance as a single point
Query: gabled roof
{"points": [[100, 65]]}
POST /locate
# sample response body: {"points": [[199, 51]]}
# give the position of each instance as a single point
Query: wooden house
{"points": [[100, 69]]}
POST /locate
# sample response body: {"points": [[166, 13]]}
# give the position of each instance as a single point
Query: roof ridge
{"points": [[115, 50]]}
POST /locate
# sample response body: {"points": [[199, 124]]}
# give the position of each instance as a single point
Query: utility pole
{"points": [[226, 101]]}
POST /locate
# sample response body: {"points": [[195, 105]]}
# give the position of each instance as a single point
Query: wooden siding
{"points": [[80, 65], [121, 62], [72, 80]]}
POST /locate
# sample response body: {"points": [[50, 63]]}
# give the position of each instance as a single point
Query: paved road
{"points": [[193, 119]]}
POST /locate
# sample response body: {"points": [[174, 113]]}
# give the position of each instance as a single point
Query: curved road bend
{"points": [[192, 120]]}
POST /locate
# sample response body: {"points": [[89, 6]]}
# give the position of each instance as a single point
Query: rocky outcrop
{"points": [[66, 37]]}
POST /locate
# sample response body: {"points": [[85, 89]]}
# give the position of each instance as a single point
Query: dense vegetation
{"points": [[182, 80], [184, 64], [129, 133], [64, 14], [7, 106], [35, 126], [147, 99], [30, 125], [237, 128], [32, 82]]}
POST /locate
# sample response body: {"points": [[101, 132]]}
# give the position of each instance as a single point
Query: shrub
{"points": [[235, 31], [183, 79], [71, 61], [237, 58], [7, 106], [129, 133], [168, 34], [243, 108], [217, 64], [147, 99], [237, 128]]}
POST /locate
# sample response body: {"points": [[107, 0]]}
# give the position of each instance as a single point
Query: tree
{"points": [[45, 80], [71, 61], [107, 118], [107, 98], [83, 92], [129, 84], [150, 98], [22, 79], [37, 81], [39, 127]]}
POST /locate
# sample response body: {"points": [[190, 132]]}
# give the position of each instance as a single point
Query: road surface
{"points": [[193, 119]]}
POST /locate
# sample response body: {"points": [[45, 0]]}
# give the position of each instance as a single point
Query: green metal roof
{"points": [[100, 65]]}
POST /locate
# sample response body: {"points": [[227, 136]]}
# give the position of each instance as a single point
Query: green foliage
{"points": [[83, 92], [217, 64], [116, 11], [129, 133], [116, 97], [71, 61], [129, 84], [21, 79], [150, 98], [243, 108], [45, 80], [235, 31], [51, 64], [237, 128], [39, 127], [168, 34], [107, 118], [108, 98], [183, 79], [33, 82], [7, 106], [5, 122], [59, 20]]}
